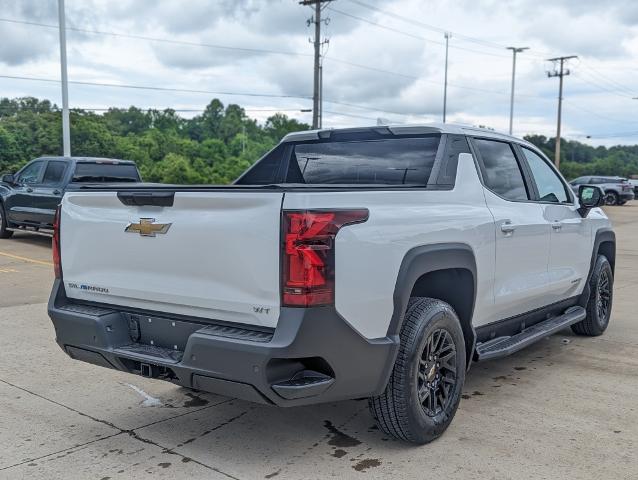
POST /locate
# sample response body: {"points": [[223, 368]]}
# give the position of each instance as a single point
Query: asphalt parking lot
{"points": [[564, 408]]}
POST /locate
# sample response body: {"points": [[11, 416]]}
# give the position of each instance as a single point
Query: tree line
{"points": [[578, 159], [214, 147]]}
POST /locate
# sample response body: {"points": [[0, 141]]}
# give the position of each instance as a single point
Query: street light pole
{"points": [[447, 40], [66, 129], [514, 50]]}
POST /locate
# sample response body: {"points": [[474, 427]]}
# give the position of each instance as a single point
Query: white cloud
{"points": [[604, 36]]}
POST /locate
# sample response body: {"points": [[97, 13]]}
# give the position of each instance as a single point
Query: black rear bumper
{"points": [[312, 356]]}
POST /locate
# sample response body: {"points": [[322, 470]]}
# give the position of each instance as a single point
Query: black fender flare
{"points": [[602, 235], [424, 259]]}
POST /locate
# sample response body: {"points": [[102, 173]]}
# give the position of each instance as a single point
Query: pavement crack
{"points": [[72, 449], [131, 432], [190, 412], [95, 419], [230, 420], [170, 451]]}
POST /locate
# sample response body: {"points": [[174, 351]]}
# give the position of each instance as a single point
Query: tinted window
{"points": [[396, 161], [31, 173], [502, 173], [600, 180], [265, 170], [550, 188], [579, 181], [54, 172], [105, 172]]}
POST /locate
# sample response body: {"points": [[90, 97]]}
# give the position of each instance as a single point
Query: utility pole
{"points": [[316, 95], [321, 95], [66, 129], [514, 50], [560, 73], [447, 40]]}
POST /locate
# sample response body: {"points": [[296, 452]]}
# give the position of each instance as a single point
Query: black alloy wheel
{"points": [[437, 372]]}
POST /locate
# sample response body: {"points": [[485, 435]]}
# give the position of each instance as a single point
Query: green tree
{"points": [[214, 147]]}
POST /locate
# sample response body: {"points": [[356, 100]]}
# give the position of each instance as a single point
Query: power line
{"points": [[161, 89], [146, 109], [160, 40], [253, 50], [414, 36], [181, 90], [571, 104], [226, 47], [590, 80], [466, 38], [613, 135], [630, 91]]}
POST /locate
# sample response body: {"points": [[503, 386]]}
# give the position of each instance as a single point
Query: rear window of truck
{"points": [[105, 172], [390, 161]]}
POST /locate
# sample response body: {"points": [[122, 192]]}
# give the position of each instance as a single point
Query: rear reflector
{"points": [[308, 255], [57, 266]]}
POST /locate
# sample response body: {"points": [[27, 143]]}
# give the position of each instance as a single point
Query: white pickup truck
{"points": [[359, 263]]}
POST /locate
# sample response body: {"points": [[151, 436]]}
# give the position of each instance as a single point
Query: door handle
{"points": [[56, 192], [556, 225], [29, 190], [508, 227]]}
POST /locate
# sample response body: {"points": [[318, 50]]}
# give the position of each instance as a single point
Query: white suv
{"points": [[375, 262]]}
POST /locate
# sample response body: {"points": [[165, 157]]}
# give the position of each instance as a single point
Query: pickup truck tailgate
{"points": [[218, 259]]}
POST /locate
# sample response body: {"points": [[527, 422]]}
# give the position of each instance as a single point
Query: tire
{"points": [[600, 301], [399, 410], [4, 233], [611, 198]]}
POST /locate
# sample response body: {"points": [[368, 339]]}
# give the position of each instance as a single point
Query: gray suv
{"points": [[618, 190]]}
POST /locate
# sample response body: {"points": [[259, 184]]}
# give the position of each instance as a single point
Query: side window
{"points": [[265, 170], [549, 185], [502, 173], [31, 174], [54, 172], [579, 181]]}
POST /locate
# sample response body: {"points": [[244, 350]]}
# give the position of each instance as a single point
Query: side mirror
{"points": [[8, 178], [589, 196]]}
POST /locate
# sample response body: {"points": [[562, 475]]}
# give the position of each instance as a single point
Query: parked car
{"points": [[28, 198], [376, 262], [618, 190], [634, 183]]}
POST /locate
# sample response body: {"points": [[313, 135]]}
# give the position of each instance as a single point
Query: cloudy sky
{"points": [[384, 59]]}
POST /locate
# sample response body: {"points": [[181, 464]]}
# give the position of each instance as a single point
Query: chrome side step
{"points": [[504, 346]]}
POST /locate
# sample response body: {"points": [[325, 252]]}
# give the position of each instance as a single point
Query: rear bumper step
{"points": [[312, 356], [504, 346]]}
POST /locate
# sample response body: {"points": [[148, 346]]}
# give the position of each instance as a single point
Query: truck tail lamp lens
{"points": [[308, 273], [57, 265]]}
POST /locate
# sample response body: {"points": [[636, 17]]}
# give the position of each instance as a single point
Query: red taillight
{"points": [[57, 266], [309, 256]]}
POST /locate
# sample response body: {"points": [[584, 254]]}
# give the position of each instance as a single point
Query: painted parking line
{"points": [[26, 259], [8, 270]]}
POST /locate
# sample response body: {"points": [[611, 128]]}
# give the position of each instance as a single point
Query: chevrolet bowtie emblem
{"points": [[147, 227]]}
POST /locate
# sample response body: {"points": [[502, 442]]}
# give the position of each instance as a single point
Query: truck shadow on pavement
{"points": [[233, 434]]}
